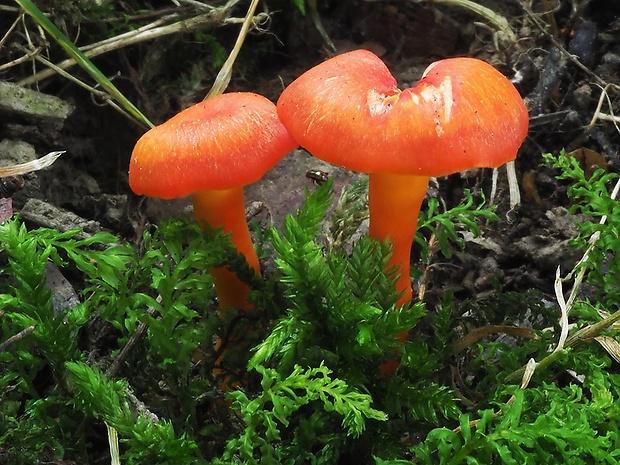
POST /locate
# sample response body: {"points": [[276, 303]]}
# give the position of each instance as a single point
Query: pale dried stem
{"points": [[11, 29], [494, 179], [598, 115], [614, 194], [27, 57], [12, 9], [599, 107], [591, 243], [579, 270], [497, 20], [150, 31], [65, 74], [29, 167], [223, 77], [606, 117], [564, 310], [585, 334], [104, 96], [513, 185]]}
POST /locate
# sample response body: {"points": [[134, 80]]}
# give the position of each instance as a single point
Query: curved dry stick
{"points": [[30, 166], [149, 32], [491, 16], [223, 77]]}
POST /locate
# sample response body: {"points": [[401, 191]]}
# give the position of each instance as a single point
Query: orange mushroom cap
{"points": [[462, 114], [227, 141]]}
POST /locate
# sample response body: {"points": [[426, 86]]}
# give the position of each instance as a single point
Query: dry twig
{"points": [[216, 16]]}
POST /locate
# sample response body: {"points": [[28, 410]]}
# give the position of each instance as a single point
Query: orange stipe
{"points": [[226, 208]]}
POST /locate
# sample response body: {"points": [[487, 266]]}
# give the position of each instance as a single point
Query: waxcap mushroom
{"points": [[227, 141], [211, 150], [462, 114], [348, 111]]}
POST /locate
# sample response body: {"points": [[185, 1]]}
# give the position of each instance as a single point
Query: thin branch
{"points": [[149, 32], [223, 77], [133, 341], [17, 337]]}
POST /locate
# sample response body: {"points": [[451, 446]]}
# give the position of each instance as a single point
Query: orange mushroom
{"points": [[210, 151], [348, 111]]}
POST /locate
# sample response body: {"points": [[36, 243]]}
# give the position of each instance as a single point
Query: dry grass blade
{"points": [[148, 32], [564, 310], [113, 443], [610, 345], [29, 167], [223, 77], [84, 62]]}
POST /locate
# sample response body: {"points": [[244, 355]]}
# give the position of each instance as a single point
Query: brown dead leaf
{"points": [[474, 336], [589, 160], [530, 192]]}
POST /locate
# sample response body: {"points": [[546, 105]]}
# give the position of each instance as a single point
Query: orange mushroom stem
{"points": [[394, 202], [226, 208]]}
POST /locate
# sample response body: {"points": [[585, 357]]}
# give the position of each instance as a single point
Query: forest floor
{"points": [[564, 58]]}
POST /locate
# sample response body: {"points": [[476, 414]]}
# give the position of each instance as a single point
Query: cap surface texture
{"points": [[462, 114], [227, 141]]}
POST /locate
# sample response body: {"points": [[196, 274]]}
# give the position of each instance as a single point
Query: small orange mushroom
{"points": [[210, 151], [348, 111]]}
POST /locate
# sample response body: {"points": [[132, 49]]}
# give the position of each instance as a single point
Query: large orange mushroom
{"points": [[348, 111], [210, 151]]}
